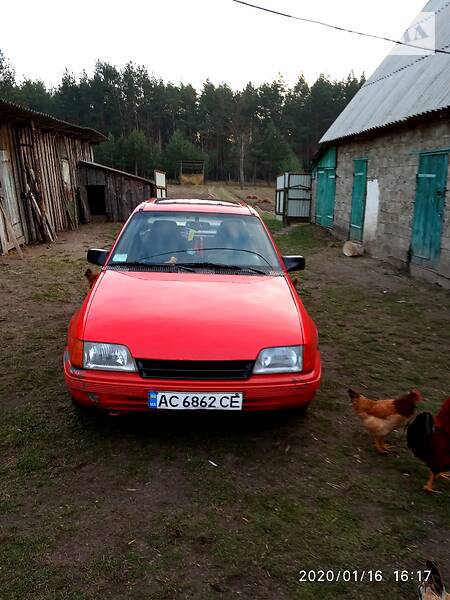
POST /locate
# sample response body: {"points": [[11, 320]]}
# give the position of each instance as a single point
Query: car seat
{"points": [[232, 234]]}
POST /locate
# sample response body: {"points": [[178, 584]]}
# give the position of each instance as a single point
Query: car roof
{"points": [[197, 205]]}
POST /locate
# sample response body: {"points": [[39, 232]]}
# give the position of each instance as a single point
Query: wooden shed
{"points": [[49, 181], [39, 158], [114, 193]]}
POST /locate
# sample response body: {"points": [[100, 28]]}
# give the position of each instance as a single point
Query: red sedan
{"points": [[193, 309]]}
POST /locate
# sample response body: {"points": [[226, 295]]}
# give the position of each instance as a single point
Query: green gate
{"points": [[429, 208], [358, 199], [325, 195]]}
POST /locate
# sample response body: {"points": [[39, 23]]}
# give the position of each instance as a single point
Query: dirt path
{"points": [[262, 197], [133, 508]]}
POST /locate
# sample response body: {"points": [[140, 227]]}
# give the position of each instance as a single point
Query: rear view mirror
{"points": [[97, 256], [294, 263]]}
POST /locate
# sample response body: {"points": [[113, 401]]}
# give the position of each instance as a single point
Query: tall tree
{"points": [[246, 134], [179, 148], [103, 92], [273, 153], [295, 122], [35, 95], [271, 100], [244, 118], [8, 89]]}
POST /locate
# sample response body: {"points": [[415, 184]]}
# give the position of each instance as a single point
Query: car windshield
{"points": [[195, 239]]}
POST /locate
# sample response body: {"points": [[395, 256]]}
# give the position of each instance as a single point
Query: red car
{"points": [[193, 309]]}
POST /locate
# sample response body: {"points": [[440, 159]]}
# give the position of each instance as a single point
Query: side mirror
{"points": [[97, 257], [294, 263]]}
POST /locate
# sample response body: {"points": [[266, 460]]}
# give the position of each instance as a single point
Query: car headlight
{"points": [[109, 357], [285, 359]]}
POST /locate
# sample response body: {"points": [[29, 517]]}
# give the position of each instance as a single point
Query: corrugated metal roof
{"points": [[402, 87], [11, 110]]}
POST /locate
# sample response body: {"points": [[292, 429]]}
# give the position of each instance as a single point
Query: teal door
{"points": [[325, 195], [358, 199], [429, 208]]}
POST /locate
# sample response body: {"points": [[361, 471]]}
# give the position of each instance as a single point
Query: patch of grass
{"points": [[224, 193], [21, 576], [53, 295], [93, 507], [274, 225], [372, 335], [302, 238]]}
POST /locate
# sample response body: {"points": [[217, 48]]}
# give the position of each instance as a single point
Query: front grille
{"points": [[195, 369]]}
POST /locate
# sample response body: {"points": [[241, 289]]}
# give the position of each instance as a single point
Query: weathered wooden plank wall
{"points": [[51, 164], [123, 192], [53, 156]]}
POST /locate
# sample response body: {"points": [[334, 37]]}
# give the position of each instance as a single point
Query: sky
{"points": [[191, 40]]}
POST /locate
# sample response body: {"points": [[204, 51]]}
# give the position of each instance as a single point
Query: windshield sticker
{"points": [[120, 257], [191, 235]]}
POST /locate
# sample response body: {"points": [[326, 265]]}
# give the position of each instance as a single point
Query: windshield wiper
{"points": [[213, 265], [142, 263], [190, 267], [127, 263]]}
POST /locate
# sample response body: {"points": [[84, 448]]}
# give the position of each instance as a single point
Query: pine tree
{"points": [[251, 133]]}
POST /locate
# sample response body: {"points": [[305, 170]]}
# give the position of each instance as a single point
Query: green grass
{"points": [[274, 224], [132, 508], [295, 239]]}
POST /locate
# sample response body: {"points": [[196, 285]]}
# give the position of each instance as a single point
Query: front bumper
{"points": [[116, 391]]}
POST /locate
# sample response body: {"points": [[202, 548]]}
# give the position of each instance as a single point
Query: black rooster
{"points": [[429, 439]]}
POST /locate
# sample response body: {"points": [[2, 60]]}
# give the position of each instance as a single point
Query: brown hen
{"points": [[91, 277], [380, 417]]}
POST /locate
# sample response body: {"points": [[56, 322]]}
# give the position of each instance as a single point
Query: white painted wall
{"points": [[371, 216]]}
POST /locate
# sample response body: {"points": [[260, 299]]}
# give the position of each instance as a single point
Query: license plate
{"points": [[195, 400]]}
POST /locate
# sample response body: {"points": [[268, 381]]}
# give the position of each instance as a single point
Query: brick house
{"points": [[381, 175]]}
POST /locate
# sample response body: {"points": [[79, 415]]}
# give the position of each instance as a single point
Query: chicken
{"points": [[91, 277], [429, 439], [433, 587], [380, 417]]}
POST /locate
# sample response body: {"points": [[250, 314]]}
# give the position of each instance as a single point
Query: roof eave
{"points": [[45, 121], [439, 112]]}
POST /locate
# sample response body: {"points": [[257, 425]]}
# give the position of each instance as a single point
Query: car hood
{"points": [[184, 316]]}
